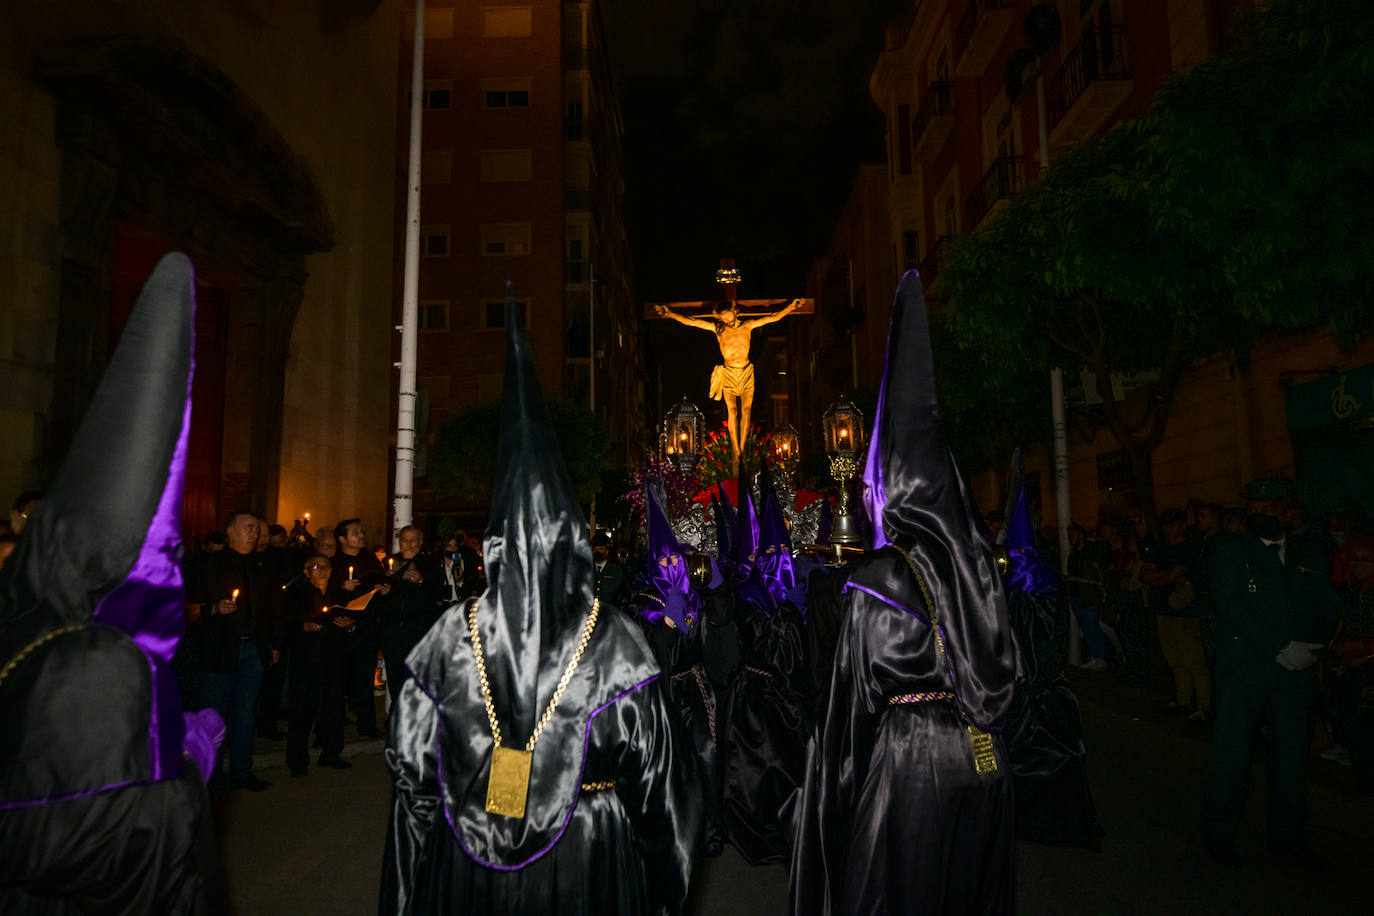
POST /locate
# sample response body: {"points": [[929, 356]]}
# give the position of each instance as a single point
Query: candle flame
{"points": [[234, 596], [350, 572]]}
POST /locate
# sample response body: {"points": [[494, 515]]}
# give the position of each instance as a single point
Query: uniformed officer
{"points": [[1276, 611]]}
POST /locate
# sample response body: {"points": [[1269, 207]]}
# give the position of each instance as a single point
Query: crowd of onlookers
{"points": [[292, 626], [1144, 607]]}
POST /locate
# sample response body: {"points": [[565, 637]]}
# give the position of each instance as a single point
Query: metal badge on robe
{"points": [[508, 785], [984, 754]]}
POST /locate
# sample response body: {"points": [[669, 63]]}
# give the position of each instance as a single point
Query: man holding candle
{"points": [[239, 633], [356, 571], [417, 588]]}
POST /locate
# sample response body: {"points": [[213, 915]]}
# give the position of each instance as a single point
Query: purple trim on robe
{"points": [[150, 604], [439, 772], [953, 677], [73, 796]]}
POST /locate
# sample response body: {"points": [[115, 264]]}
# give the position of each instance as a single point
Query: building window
{"points": [[438, 24], [512, 93], [577, 261], [909, 249], [433, 315], [438, 95], [434, 241], [779, 410], [575, 120], [505, 239], [904, 139], [436, 168], [507, 164], [493, 317], [507, 22]]}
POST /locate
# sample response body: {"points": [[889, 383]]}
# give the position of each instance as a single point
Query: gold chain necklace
{"points": [[508, 785]]}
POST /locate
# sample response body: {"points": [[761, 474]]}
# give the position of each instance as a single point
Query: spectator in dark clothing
{"points": [[286, 565], [1087, 595], [319, 654], [1171, 572], [611, 584], [1233, 521], [238, 629], [415, 602], [356, 572]]}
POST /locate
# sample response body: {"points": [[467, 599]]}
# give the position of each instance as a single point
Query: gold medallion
{"points": [[509, 782], [984, 754]]}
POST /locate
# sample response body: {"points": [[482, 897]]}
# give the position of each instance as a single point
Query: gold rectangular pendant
{"points": [[984, 754], [509, 781]]}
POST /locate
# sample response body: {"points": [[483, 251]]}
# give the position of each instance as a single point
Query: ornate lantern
{"points": [[844, 442], [684, 435]]}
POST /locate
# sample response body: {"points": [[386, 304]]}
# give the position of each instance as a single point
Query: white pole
{"points": [[1061, 425], [591, 353], [410, 296]]}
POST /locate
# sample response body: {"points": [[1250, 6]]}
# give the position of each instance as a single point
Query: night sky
{"points": [[744, 124]]}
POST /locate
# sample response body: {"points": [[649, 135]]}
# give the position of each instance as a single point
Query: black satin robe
{"points": [[628, 849], [767, 725], [893, 816], [1054, 803], [682, 659], [108, 839]]}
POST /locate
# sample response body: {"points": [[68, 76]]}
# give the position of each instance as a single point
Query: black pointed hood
{"points": [[540, 574], [539, 562], [104, 545], [920, 506]]}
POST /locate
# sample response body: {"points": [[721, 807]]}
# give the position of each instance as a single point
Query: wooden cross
{"points": [[728, 278]]}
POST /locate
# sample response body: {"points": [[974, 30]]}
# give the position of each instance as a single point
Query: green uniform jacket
{"points": [[1261, 604]]}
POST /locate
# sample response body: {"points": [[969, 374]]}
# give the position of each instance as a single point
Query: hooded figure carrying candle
{"points": [[537, 764], [102, 806], [907, 801]]}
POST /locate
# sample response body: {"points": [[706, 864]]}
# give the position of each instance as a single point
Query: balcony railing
{"points": [[933, 120], [1099, 57], [979, 33], [930, 266], [1001, 182]]}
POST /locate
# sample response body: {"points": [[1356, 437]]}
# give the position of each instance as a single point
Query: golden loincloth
{"points": [[729, 381]]}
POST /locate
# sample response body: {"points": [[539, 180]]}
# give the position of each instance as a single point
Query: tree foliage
{"points": [[1235, 210], [465, 453]]}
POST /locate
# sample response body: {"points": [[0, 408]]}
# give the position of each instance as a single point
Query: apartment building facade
{"points": [[521, 182], [963, 139]]}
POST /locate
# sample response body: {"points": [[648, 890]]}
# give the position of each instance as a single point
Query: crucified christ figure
{"points": [[733, 381]]}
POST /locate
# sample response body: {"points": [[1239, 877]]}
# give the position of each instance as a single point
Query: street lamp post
{"points": [[844, 441], [684, 434]]}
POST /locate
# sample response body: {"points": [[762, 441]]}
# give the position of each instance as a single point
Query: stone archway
{"points": [[158, 142]]}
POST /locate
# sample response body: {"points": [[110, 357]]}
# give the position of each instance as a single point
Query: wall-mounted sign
{"points": [[1338, 398], [1114, 471]]}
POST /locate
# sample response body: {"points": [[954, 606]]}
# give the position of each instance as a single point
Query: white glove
{"points": [[1296, 656]]}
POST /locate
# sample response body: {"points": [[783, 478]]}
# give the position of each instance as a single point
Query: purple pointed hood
{"points": [[1027, 572], [104, 546], [746, 546], [775, 544], [723, 516], [666, 565]]}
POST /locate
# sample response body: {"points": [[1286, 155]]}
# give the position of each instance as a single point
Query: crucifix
{"points": [[732, 320]]}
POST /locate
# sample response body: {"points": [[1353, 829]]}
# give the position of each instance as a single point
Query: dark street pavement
{"points": [[314, 845]]}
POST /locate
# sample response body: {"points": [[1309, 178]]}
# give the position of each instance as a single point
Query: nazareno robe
{"points": [[767, 724], [894, 816], [1054, 803], [581, 848]]}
